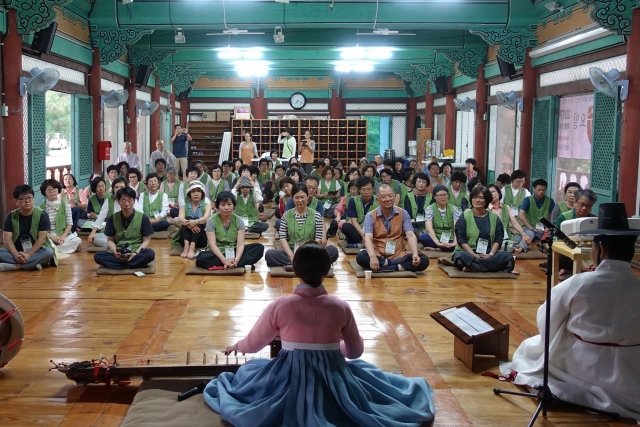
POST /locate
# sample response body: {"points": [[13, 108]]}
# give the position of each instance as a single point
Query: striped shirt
{"points": [[284, 229], [52, 210]]}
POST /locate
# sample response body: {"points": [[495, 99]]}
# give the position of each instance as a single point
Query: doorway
{"points": [[58, 134]]}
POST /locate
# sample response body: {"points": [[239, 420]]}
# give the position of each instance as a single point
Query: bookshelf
{"points": [[342, 139], [207, 141]]}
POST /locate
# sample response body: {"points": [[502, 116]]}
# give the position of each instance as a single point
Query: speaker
{"points": [[43, 39], [142, 75], [184, 94], [507, 69], [441, 85]]}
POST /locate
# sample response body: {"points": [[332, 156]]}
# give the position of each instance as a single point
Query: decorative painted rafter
{"points": [[432, 71], [169, 73], [148, 57], [614, 15], [186, 80], [513, 46], [416, 80], [34, 15], [466, 60], [113, 42]]}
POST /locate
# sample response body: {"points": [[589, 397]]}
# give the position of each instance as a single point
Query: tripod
{"points": [[544, 395]]}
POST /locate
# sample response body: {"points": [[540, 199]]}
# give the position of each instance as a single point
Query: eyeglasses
{"points": [[442, 195], [584, 205], [26, 199], [478, 198]]}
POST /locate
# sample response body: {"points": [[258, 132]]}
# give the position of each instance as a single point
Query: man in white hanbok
{"points": [[595, 328]]}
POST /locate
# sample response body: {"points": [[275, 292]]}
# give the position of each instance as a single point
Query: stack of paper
{"points": [[468, 322]]}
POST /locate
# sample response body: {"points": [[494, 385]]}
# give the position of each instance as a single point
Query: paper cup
{"points": [[247, 269], [367, 274]]}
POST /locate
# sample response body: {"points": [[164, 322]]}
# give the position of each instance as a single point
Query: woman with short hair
{"points": [[174, 189], [192, 218], [60, 218], [74, 197], [570, 191], [97, 236], [135, 181]]}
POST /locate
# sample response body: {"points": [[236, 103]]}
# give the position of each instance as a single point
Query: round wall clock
{"points": [[297, 101]]}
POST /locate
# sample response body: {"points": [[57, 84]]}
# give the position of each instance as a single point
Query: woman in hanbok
{"points": [[311, 383]]}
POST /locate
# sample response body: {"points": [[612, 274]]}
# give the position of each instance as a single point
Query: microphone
{"points": [[567, 241]]}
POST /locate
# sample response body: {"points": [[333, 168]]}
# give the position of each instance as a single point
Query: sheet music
{"points": [[468, 322]]}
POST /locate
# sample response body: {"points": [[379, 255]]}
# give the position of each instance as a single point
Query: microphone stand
{"points": [[544, 394]]}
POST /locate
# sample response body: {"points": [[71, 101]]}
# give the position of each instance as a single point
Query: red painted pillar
{"points": [[428, 110], [184, 109], [336, 106], [627, 190], [529, 82], [258, 105], [450, 121], [13, 154], [132, 125], [172, 104], [411, 119], [154, 120], [95, 90], [480, 137]]}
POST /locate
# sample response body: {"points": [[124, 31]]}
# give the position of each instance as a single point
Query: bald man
{"points": [[129, 157]]}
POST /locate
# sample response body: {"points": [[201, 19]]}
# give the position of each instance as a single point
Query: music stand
{"points": [[544, 395]]}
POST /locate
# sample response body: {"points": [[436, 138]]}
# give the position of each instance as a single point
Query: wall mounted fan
{"points": [[465, 104], [146, 109], [115, 99], [509, 100], [608, 82], [39, 82]]}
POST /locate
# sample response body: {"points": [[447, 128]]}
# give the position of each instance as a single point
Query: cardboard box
{"points": [[209, 116], [243, 116], [223, 116]]}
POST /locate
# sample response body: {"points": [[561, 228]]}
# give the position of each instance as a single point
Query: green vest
{"points": [[473, 232], [288, 150], [35, 223], [566, 216], [414, 205], [510, 200], [314, 173], [204, 178], [148, 207], [132, 234], [441, 225], [60, 219], [534, 213], [347, 199], [214, 191], [563, 207], [276, 187], [225, 238], [141, 188], [300, 233], [263, 177], [174, 193], [457, 201], [506, 221], [446, 181], [404, 190], [230, 178], [333, 186], [247, 209], [75, 199], [313, 204], [360, 208]]}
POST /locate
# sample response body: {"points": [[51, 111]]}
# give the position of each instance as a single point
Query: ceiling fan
{"points": [[230, 31], [382, 31]]}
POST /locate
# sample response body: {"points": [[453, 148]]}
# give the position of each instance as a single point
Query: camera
{"points": [[125, 252]]}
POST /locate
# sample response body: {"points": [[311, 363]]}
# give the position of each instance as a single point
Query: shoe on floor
{"points": [[354, 245], [288, 267]]}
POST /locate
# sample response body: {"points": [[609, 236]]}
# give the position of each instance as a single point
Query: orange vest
{"points": [[246, 153], [306, 155], [396, 233]]}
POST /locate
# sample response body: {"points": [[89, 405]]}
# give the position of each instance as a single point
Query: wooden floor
{"points": [[72, 314]]}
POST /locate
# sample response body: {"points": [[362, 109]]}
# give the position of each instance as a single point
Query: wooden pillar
{"points": [[450, 121], [132, 125], [428, 110], [258, 104], [184, 109], [411, 119], [480, 137], [172, 104], [529, 82], [154, 120], [13, 152], [630, 138], [95, 90], [336, 106]]}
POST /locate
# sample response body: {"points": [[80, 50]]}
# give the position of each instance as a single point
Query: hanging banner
{"points": [[573, 162]]}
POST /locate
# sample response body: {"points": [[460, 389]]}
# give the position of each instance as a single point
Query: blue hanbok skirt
{"points": [[314, 388]]}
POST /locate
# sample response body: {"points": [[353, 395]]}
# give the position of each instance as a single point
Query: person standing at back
{"points": [[289, 144], [179, 141], [129, 156]]}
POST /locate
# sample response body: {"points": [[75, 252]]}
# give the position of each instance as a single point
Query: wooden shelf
{"points": [[207, 141], [344, 140]]}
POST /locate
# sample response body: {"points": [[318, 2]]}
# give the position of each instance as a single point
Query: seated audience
{"points": [[127, 227], [278, 174], [154, 204], [594, 330], [385, 228], [174, 189], [317, 169], [87, 191], [398, 165], [275, 160], [97, 236], [474, 182], [513, 194], [417, 201], [470, 165], [128, 156], [203, 172], [509, 220], [480, 234], [247, 206], [406, 186], [350, 175], [286, 185], [112, 174], [570, 191], [329, 191], [434, 175], [503, 180], [440, 224], [216, 184], [311, 184], [341, 210], [225, 235], [458, 195], [161, 153], [227, 173], [160, 172], [533, 208], [413, 164], [192, 218], [584, 201], [264, 179], [135, 181], [318, 333], [386, 178], [123, 170], [298, 226], [100, 195], [445, 176], [357, 209], [59, 217], [73, 197]]}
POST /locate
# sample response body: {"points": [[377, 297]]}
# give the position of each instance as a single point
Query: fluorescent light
{"points": [[361, 66], [576, 40], [358, 52], [238, 53], [251, 68]]}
